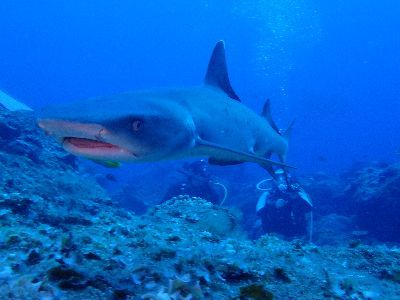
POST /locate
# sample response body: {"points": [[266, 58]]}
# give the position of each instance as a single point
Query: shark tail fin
{"points": [[288, 132], [266, 113], [286, 135], [282, 157]]}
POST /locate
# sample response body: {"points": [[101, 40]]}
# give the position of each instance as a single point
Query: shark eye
{"points": [[137, 125]]}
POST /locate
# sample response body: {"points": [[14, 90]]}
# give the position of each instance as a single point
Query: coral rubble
{"points": [[62, 237]]}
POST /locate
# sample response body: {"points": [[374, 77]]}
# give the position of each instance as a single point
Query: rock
{"points": [[121, 294], [91, 256], [33, 258], [77, 220], [234, 273], [67, 278], [8, 133], [393, 275], [373, 196], [255, 292], [281, 274], [333, 229], [22, 148]]}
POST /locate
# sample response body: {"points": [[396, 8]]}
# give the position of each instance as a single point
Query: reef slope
{"points": [[62, 237]]}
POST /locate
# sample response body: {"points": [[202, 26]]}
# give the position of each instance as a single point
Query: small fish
{"points": [[107, 163]]}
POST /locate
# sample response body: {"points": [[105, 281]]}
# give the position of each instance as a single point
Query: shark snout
{"points": [[63, 129], [93, 141]]}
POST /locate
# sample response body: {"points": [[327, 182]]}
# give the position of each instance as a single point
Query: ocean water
{"points": [[333, 67]]}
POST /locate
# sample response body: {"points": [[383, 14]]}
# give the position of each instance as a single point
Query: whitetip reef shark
{"points": [[163, 124]]}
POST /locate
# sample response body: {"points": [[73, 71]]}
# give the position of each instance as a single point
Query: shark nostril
{"points": [[100, 134], [41, 125]]}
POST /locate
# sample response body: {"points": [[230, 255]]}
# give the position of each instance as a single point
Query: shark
{"points": [[208, 120]]}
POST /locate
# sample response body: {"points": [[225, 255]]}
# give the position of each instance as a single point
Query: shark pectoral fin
{"points": [[219, 162], [107, 163], [240, 155]]}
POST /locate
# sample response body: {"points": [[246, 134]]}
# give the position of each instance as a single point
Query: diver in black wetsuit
{"points": [[198, 182], [285, 208]]}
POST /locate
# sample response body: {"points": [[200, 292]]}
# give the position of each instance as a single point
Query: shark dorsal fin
{"points": [[266, 113], [217, 72]]}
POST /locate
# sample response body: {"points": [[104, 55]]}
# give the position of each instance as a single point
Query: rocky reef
{"points": [[373, 195], [62, 237]]}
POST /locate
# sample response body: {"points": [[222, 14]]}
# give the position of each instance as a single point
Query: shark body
{"points": [[204, 121]]}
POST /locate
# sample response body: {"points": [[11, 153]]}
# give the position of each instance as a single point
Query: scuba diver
{"points": [[284, 207], [198, 182]]}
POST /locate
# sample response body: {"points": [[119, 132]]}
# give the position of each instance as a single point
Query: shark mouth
{"points": [[87, 140], [95, 149], [88, 143]]}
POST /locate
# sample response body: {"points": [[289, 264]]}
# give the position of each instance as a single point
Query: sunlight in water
{"points": [[285, 27]]}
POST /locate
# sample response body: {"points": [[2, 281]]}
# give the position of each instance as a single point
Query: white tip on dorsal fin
{"points": [[217, 72], [11, 104]]}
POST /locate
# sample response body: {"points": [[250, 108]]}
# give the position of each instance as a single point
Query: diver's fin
{"points": [[303, 195], [266, 113], [219, 162], [286, 135], [262, 201], [107, 163], [217, 72], [244, 155]]}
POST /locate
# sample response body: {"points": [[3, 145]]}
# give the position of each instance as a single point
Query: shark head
{"points": [[128, 127]]}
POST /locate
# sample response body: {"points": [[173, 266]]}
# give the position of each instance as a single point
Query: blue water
{"points": [[333, 66]]}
